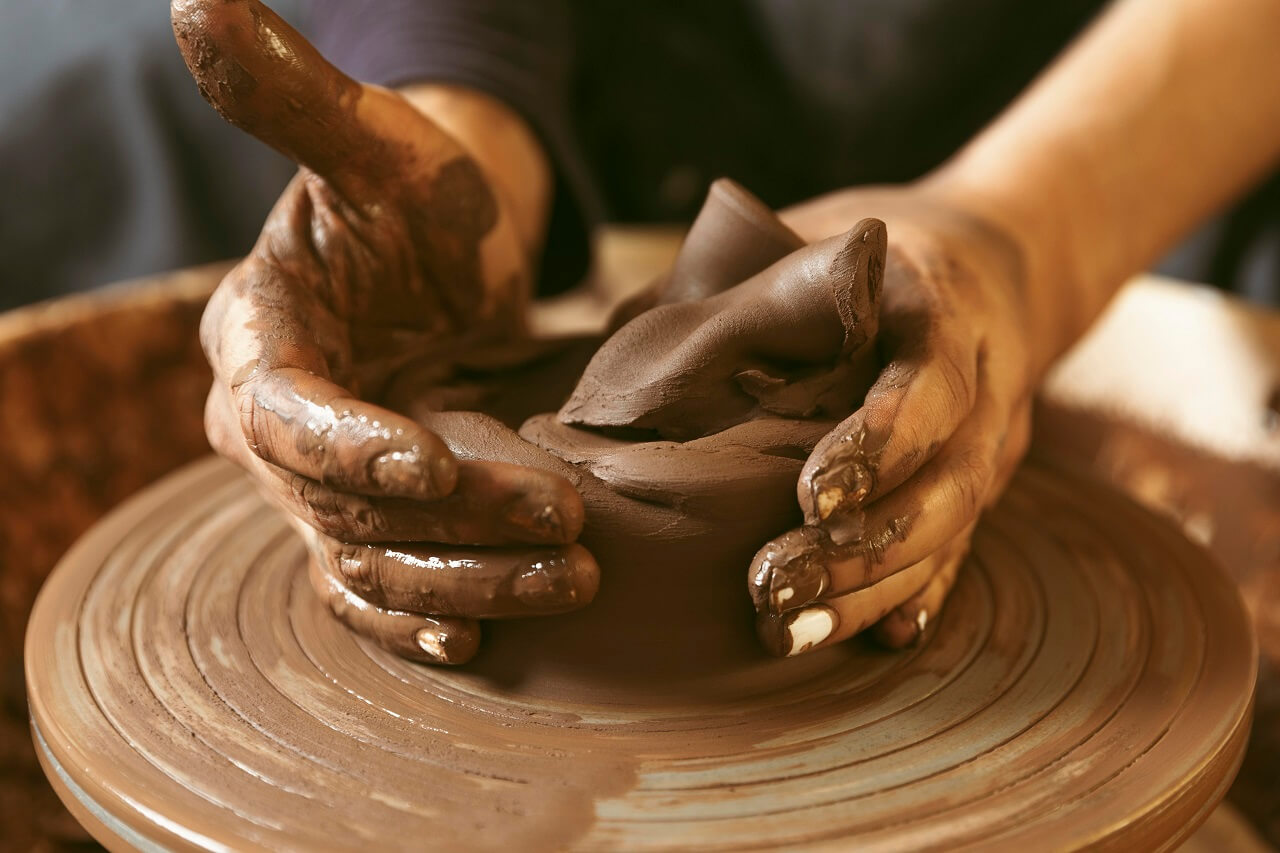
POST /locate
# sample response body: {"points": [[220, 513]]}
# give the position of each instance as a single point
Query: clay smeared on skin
{"points": [[232, 47], [794, 569], [461, 213], [845, 477], [375, 248], [685, 433], [481, 584], [389, 247], [684, 442]]}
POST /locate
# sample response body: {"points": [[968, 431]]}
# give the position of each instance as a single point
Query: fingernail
{"points": [[790, 571], [432, 643], [799, 582], [829, 500], [808, 628], [841, 485]]}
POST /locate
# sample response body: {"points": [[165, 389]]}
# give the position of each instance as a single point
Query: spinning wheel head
{"points": [[1090, 684]]}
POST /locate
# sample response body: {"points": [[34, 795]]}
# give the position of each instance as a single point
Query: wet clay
{"points": [[1089, 683], [685, 435], [1088, 686]]}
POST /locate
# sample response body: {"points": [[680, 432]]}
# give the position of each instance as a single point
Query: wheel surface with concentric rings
{"points": [[1089, 683]]}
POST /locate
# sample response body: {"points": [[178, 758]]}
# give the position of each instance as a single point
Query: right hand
{"points": [[391, 245], [892, 495]]}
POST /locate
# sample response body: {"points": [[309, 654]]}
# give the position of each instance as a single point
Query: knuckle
{"points": [[341, 516], [300, 490], [359, 518], [317, 505], [356, 565], [967, 486]]}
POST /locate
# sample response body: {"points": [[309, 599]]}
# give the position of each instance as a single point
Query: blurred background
{"points": [[112, 167]]}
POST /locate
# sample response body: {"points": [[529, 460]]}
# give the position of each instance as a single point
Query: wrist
{"points": [[502, 144]]}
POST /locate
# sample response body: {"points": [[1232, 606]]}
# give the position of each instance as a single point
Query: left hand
{"points": [[892, 495], [407, 237]]}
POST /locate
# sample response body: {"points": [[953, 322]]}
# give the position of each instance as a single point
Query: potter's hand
{"points": [[411, 583], [892, 495], [391, 243]]}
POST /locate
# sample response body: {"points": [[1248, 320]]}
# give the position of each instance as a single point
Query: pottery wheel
{"points": [[1090, 682]]}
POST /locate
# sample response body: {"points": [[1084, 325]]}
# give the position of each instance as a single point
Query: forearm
{"points": [[1154, 119], [505, 147]]}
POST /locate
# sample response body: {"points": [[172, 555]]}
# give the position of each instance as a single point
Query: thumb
{"points": [[268, 80]]}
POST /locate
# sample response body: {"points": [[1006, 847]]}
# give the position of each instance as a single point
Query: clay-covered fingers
{"points": [[306, 424], [927, 389], [892, 563], [897, 608], [905, 624], [856, 548], [494, 504], [426, 639], [830, 620], [263, 338], [491, 503], [472, 583]]}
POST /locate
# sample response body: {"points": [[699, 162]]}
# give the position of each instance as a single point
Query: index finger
{"points": [[261, 337], [307, 424], [921, 397], [854, 551]]}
